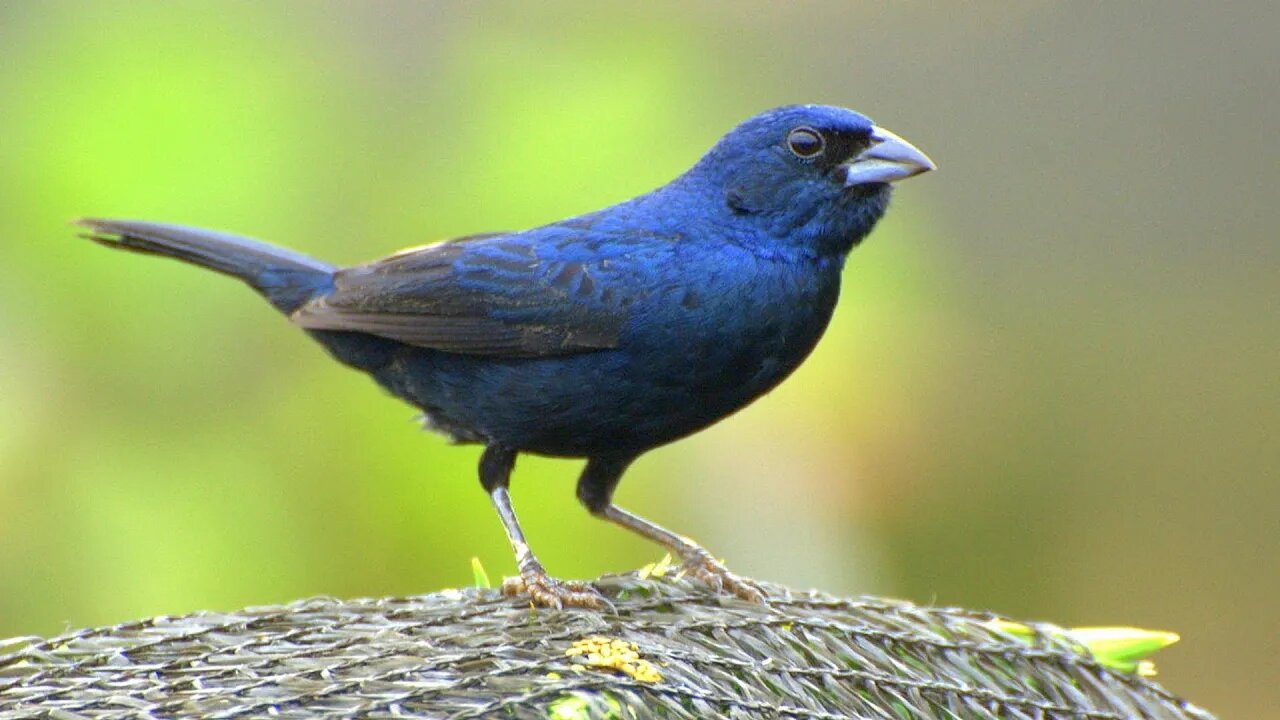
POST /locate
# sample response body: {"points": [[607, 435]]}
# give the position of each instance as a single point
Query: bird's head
{"points": [[815, 176]]}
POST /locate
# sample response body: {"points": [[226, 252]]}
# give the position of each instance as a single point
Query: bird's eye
{"points": [[805, 142]]}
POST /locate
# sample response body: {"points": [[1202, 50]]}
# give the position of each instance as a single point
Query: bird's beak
{"points": [[889, 159]]}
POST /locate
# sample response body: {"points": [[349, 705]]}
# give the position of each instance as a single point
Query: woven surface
{"points": [[474, 654]]}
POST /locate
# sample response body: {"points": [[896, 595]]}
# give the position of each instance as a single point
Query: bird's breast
{"points": [[736, 333]]}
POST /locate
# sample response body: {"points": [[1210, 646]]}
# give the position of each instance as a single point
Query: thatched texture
{"points": [[475, 654]]}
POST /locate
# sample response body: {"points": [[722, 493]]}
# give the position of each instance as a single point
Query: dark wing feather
{"points": [[489, 295]]}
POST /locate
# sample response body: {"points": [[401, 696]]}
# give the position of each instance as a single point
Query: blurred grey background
{"points": [[1052, 388]]}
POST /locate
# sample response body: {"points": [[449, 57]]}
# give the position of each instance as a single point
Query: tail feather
{"points": [[286, 278]]}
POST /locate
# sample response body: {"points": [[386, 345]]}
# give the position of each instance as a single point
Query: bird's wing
{"points": [[491, 295]]}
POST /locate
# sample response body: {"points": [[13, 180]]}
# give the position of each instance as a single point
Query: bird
{"points": [[605, 335]]}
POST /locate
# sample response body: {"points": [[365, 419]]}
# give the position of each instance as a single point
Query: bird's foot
{"points": [[713, 572], [546, 591]]}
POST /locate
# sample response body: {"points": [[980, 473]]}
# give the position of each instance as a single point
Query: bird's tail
{"points": [[285, 278]]}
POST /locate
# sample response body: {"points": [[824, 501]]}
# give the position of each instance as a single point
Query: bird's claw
{"points": [[717, 576], [546, 591]]}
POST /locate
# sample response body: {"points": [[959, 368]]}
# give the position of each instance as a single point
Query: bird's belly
{"points": [[627, 400]]}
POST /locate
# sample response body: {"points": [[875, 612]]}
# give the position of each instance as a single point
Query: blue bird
{"points": [[601, 336]]}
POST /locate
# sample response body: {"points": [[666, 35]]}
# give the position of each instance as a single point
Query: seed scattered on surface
{"points": [[608, 653]]}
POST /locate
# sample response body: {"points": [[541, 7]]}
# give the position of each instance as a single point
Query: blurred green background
{"points": [[1052, 387]]}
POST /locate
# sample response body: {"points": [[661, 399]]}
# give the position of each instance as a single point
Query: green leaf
{"points": [[1124, 648], [1120, 648], [479, 577], [575, 706]]}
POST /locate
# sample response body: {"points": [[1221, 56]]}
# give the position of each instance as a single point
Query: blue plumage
{"points": [[605, 335]]}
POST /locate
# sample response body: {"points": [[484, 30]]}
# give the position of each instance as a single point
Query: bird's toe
{"points": [[718, 578], [543, 590]]}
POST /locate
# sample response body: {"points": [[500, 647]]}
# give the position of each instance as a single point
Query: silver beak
{"points": [[889, 159]]}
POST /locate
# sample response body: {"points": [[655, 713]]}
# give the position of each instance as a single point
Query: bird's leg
{"points": [[495, 475], [595, 490]]}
